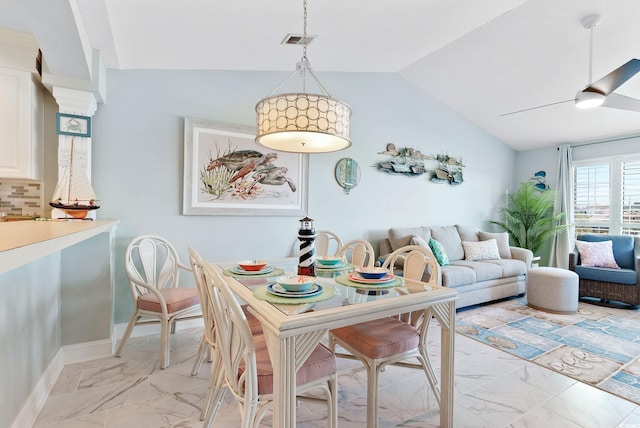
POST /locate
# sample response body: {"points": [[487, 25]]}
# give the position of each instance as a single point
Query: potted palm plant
{"points": [[528, 217]]}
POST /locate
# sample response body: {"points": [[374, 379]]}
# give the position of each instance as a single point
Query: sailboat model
{"points": [[73, 194]]}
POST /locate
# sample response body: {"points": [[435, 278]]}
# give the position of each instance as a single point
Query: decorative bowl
{"points": [[372, 272], [252, 265], [328, 260], [296, 282]]}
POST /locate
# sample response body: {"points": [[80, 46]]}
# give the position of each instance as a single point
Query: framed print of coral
{"points": [[227, 173]]}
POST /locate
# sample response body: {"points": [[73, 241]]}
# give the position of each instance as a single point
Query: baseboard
{"points": [[38, 396]]}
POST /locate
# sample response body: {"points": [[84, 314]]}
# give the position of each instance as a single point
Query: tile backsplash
{"points": [[21, 197]]}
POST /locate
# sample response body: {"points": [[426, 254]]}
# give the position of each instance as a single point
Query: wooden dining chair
{"points": [[153, 269], [247, 369], [207, 344], [390, 340], [327, 243], [358, 252]]}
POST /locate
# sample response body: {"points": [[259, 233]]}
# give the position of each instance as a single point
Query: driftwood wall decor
{"points": [[411, 162]]}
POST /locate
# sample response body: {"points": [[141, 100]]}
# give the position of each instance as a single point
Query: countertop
{"points": [[24, 241]]}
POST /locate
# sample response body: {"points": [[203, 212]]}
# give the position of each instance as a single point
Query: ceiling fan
{"points": [[600, 92]]}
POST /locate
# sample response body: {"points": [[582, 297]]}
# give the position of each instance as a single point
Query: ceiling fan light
{"points": [[589, 99]]}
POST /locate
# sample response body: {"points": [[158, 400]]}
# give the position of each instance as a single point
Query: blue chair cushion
{"points": [[622, 252], [619, 276]]}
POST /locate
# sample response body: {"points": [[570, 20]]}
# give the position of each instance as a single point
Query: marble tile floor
{"points": [[492, 389]]}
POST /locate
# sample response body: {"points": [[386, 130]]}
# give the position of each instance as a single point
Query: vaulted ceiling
{"points": [[482, 59]]}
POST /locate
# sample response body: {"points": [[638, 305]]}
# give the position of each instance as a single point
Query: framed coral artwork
{"points": [[227, 173]]}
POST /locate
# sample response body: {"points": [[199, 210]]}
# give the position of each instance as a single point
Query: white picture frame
{"points": [[227, 173]]}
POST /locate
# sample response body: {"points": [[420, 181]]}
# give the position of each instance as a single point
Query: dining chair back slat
{"points": [[358, 252]]}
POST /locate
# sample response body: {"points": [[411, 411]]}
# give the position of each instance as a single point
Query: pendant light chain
{"points": [[304, 32], [305, 60]]}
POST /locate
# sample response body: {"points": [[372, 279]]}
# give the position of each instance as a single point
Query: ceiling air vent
{"points": [[297, 39]]}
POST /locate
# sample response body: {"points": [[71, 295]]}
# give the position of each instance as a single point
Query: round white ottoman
{"points": [[552, 290]]}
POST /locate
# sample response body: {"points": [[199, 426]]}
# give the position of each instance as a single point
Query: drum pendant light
{"points": [[303, 122]]}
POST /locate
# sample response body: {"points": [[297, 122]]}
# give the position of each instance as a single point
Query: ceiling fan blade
{"points": [[537, 107], [621, 102], [616, 78]]}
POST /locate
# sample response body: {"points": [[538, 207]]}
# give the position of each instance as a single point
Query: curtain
{"points": [[559, 256]]}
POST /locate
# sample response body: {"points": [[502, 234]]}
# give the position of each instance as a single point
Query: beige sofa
{"points": [[476, 281]]}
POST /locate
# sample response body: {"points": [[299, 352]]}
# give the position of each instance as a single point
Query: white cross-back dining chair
{"points": [[358, 252], [153, 269], [247, 369], [390, 340]]}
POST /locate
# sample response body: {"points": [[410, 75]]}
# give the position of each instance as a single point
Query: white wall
{"points": [[138, 163]]}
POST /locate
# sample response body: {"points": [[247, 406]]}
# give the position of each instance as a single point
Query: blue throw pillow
{"points": [[439, 252]]}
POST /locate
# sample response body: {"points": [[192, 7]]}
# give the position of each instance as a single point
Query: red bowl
{"points": [[252, 265]]}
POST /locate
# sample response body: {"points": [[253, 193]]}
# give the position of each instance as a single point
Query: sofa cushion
{"points": [[448, 236], [439, 252], [454, 275], [483, 271], [419, 241], [597, 254], [502, 239], [401, 236], [622, 247], [481, 250], [468, 233], [510, 267]]}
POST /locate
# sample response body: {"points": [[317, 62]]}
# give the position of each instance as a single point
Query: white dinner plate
{"points": [[240, 271], [276, 289]]}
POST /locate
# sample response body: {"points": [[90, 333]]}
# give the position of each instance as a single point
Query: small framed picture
{"points": [[71, 124]]}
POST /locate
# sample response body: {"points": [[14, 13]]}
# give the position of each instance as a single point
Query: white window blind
{"points": [[591, 198], [631, 198]]}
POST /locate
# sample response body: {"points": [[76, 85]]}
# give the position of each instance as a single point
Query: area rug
{"points": [[599, 346]]}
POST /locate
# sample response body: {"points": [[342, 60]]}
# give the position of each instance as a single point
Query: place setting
{"points": [[332, 264], [370, 278], [253, 269], [294, 290]]}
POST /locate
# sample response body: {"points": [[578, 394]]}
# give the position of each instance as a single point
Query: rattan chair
{"points": [[358, 252], [153, 269], [247, 369], [327, 243], [390, 340], [208, 337], [618, 285]]}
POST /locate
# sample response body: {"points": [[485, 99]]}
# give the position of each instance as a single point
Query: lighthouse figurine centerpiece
{"points": [[307, 237]]}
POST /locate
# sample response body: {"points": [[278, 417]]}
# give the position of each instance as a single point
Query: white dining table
{"points": [[292, 332]]}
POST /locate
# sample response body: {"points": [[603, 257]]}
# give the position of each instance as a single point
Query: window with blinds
{"points": [[606, 196], [591, 198]]}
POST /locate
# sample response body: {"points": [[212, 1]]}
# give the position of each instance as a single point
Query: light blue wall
{"points": [[138, 163], [31, 330]]}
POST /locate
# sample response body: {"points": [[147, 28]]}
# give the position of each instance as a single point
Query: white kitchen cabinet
{"points": [[21, 124]]}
